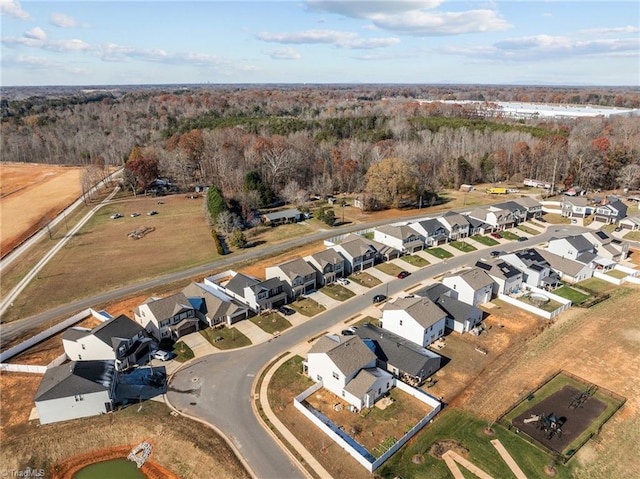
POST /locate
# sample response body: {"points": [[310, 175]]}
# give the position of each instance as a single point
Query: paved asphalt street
{"points": [[217, 388]]}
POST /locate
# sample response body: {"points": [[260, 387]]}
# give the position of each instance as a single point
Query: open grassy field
{"points": [[31, 195]]}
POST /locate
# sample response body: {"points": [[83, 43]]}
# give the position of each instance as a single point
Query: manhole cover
{"points": [[194, 380]]}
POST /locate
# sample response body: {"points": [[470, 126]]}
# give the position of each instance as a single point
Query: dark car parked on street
{"points": [[379, 298]]}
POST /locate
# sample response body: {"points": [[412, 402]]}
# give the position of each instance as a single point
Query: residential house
{"points": [[630, 223], [499, 219], [575, 247], [120, 339], [576, 207], [281, 217], [607, 246], [535, 269], [346, 366], [361, 253], [569, 270], [258, 295], [506, 278], [167, 318], [612, 212], [474, 286], [75, 390], [478, 227], [461, 317], [456, 224], [416, 319], [402, 238], [329, 265], [532, 207], [404, 359], [518, 211], [297, 275], [213, 307], [432, 230]]}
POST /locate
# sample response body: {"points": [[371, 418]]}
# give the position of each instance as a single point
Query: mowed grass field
{"points": [[102, 257]]}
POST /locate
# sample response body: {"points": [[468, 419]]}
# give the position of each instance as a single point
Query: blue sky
{"points": [[433, 41]]}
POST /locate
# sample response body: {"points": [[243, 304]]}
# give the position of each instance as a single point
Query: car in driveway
{"points": [[379, 298], [286, 310], [496, 235], [403, 274], [343, 281], [162, 355]]}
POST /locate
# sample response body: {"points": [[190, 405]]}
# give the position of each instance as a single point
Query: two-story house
{"points": [[358, 252], [213, 307], [518, 212], [576, 207], [607, 246], [297, 275], [499, 219], [167, 318], [258, 295], [346, 366], [432, 230], [474, 286], [402, 238], [417, 319], [456, 224], [329, 265], [506, 278], [461, 317], [119, 339], [575, 247], [569, 270], [532, 207], [611, 213], [536, 271]]}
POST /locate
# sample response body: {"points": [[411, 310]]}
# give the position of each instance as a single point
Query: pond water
{"points": [[120, 468]]}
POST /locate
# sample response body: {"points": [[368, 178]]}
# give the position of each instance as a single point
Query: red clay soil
{"points": [[67, 469]]}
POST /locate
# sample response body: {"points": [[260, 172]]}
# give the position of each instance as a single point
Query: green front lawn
{"points": [[467, 430], [365, 279], [530, 231], [183, 352], [307, 307], [337, 292], [485, 240], [225, 338], [567, 292], [415, 260], [439, 253], [389, 268], [509, 235], [632, 236], [463, 246], [271, 323]]}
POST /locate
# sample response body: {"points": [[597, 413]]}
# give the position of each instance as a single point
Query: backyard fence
{"points": [[564, 303]]}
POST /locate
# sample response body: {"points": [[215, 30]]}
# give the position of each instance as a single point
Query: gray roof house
{"points": [[631, 223], [329, 265], [498, 218], [456, 224], [612, 212], [606, 245], [575, 247], [169, 317], [507, 278], [403, 238], [518, 211], [576, 206], [258, 295], [417, 319], [280, 217], [531, 206], [399, 356], [473, 285], [535, 269], [434, 232], [297, 275], [568, 269], [119, 339], [75, 390], [461, 317], [214, 307]]}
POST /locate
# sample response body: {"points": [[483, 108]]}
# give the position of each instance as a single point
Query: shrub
{"points": [[216, 240]]}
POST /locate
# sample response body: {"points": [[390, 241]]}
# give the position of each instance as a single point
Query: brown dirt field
{"points": [[257, 269], [31, 192], [186, 448], [18, 390]]}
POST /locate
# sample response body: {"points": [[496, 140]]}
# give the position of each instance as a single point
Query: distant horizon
{"points": [[265, 42]]}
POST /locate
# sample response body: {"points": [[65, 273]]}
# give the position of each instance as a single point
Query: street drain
{"points": [[193, 403], [194, 380]]}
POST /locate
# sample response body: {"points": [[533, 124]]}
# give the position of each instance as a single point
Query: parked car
{"points": [[152, 212], [522, 238], [286, 310], [496, 253], [541, 220], [135, 215], [379, 298], [618, 229], [496, 235], [352, 328], [347, 332], [403, 274], [343, 281], [115, 216], [161, 354]]}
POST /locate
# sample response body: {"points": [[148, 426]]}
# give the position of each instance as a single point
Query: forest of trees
{"points": [[257, 145]]}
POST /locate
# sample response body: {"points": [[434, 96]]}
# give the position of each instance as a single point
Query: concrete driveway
{"points": [[255, 333], [198, 344]]}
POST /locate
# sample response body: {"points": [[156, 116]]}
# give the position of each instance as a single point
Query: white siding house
{"points": [[416, 319], [474, 286], [506, 277], [297, 275], [403, 238]]}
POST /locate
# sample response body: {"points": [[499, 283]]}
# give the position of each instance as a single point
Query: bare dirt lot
{"points": [[45, 189]]}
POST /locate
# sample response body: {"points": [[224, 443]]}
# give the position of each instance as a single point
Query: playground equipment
{"points": [[551, 425], [579, 399]]}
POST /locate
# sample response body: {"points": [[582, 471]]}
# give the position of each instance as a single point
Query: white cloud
{"points": [[38, 63], [416, 18], [283, 54], [330, 37], [13, 9], [36, 33], [63, 21], [607, 31]]}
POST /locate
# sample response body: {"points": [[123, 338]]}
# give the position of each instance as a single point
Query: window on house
{"points": [[80, 357], [400, 322], [335, 375], [79, 397], [343, 393], [83, 346], [318, 377], [440, 332]]}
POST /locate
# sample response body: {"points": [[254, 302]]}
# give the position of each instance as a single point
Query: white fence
{"points": [[23, 368], [607, 278], [351, 446], [17, 349], [565, 303]]}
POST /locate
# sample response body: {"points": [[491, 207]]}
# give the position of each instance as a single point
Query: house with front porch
{"points": [[167, 318], [506, 278], [328, 264], [536, 271], [213, 307], [433, 231], [518, 212], [402, 238], [478, 227], [576, 207], [346, 366], [120, 339], [611, 213], [257, 294], [532, 207], [499, 219], [456, 224], [473, 285], [358, 252], [75, 390], [417, 319], [297, 275]]}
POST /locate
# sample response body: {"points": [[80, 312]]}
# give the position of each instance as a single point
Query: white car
{"points": [[342, 281], [161, 355]]}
